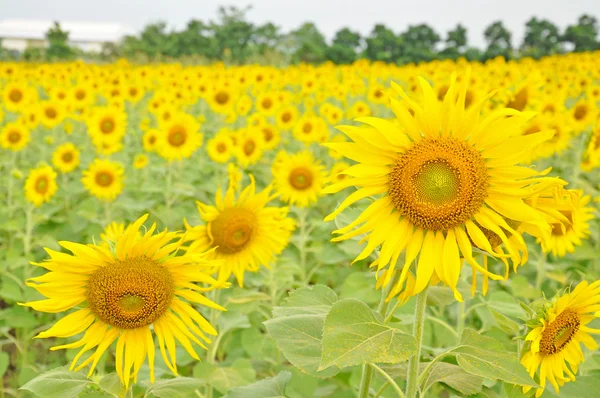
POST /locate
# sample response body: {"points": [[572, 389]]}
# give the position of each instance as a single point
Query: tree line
{"points": [[232, 38]]}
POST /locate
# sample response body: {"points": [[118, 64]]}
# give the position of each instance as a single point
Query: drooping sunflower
{"points": [[40, 185], [14, 136], [245, 232], [66, 157], [179, 137], [127, 292], [448, 180], [104, 179], [299, 178], [555, 342]]}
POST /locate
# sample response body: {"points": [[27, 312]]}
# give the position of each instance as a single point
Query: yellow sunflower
{"points": [[107, 125], [14, 136], [448, 180], [128, 294], [66, 157], [18, 95], [140, 161], [287, 117], [40, 185], [51, 113], [249, 146], [179, 137], [149, 140], [555, 342], [245, 233], [104, 179], [299, 178], [220, 147]]}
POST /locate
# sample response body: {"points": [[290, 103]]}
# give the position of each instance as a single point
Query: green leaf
{"points": [[353, 334], [297, 327], [487, 357], [268, 388], [505, 323], [18, 317], [179, 387], [111, 384], [4, 361], [224, 379], [584, 387], [454, 377], [57, 383]]}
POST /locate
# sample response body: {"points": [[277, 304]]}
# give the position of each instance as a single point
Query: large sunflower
{"points": [[244, 232], [40, 185], [125, 294], [555, 343], [447, 181], [104, 179]]}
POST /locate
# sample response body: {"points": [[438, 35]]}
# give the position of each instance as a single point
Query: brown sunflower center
{"points": [[221, 147], [130, 293], [14, 136], [80, 94], [307, 128], [249, 147], [67, 157], [438, 183], [177, 136], [559, 332], [41, 185], [51, 113], [15, 95], [286, 117], [233, 229], [268, 134], [301, 178], [580, 112], [104, 178], [107, 125], [267, 103], [222, 97]]}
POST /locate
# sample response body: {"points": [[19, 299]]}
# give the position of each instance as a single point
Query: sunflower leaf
{"points": [[273, 387], [354, 334], [59, 383]]}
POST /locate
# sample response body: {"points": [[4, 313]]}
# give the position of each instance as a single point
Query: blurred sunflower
{"points": [[14, 136], [40, 185], [245, 233], [446, 177], [556, 337], [249, 146], [51, 113], [104, 179], [107, 125], [179, 137], [287, 117], [149, 140], [220, 147], [299, 178], [66, 157], [140, 161], [128, 294]]}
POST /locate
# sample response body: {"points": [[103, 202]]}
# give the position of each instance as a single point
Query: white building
{"points": [[18, 34]]}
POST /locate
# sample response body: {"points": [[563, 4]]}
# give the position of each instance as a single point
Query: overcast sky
{"points": [[328, 15]]}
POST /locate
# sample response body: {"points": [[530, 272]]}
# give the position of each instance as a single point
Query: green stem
{"points": [[541, 271], [460, 320], [302, 216], [389, 380], [27, 237], [381, 390], [412, 380], [212, 349], [367, 371]]}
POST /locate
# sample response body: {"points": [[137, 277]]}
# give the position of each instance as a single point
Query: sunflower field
{"points": [[363, 230]]}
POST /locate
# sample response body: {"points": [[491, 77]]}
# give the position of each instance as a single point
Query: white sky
{"points": [[328, 15]]}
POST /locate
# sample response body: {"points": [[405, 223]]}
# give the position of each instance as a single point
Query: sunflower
{"points": [[245, 233], [51, 113], [337, 173], [14, 136], [266, 103], [179, 137], [243, 105], [310, 128], [583, 115], [124, 295], [555, 341], [103, 179], [16, 96], [249, 146], [66, 158], [271, 136], [220, 147], [287, 117], [149, 140], [112, 232], [447, 181], [40, 185], [107, 125], [140, 161], [221, 99], [298, 178]]}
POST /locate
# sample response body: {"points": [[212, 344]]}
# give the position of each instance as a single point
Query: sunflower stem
{"points": [[302, 216], [367, 370], [412, 380]]}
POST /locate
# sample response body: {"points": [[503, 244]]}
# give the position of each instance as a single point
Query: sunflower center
{"points": [[67, 157], [50, 113], [222, 97], [559, 332], [41, 185], [249, 147], [177, 136], [307, 128], [557, 228], [221, 148], [80, 94], [286, 117], [301, 178], [14, 137], [438, 183], [104, 179], [267, 103], [15, 95], [580, 112], [233, 229], [268, 134], [107, 126], [130, 293]]}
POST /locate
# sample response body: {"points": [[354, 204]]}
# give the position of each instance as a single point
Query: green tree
{"points": [[418, 44], [382, 44], [58, 44], [345, 47], [584, 35], [498, 40], [456, 43], [154, 41], [233, 34], [196, 39], [541, 38], [308, 44], [267, 38]]}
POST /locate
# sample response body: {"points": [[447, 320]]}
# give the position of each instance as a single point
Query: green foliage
{"points": [[542, 38], [584, 35], [58, 44], [57, 383], [498, 40], [268, 388]]}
